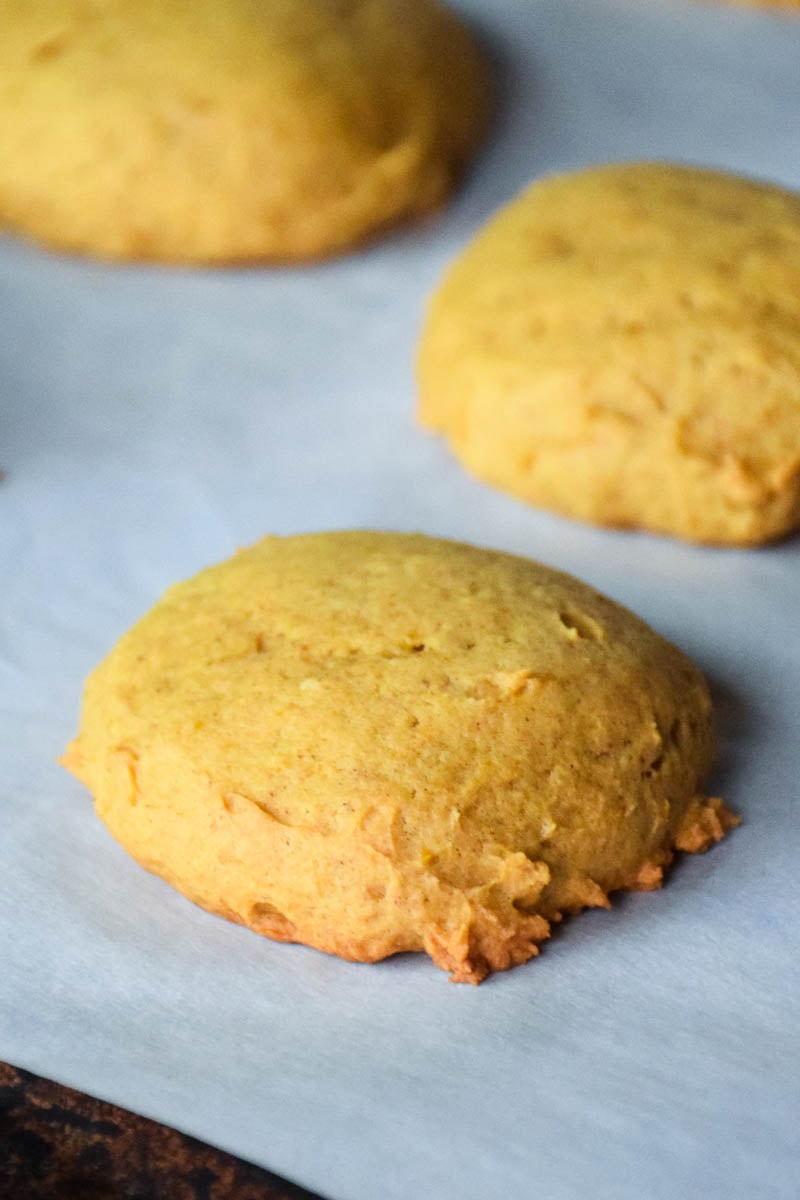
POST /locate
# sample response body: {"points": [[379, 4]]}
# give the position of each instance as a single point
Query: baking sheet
{"points": [[153, 420]]}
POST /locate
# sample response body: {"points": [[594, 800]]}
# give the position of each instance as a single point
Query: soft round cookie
{"points": [[375, 742], [622, 345], [199, 131]]}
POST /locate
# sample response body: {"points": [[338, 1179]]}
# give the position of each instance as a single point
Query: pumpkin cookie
{"points": [[375, 742], [199, 131], [622, 345]]}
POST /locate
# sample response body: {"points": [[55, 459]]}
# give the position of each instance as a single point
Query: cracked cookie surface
{"points": [[194, 131], [376, 742], [622, 345]]}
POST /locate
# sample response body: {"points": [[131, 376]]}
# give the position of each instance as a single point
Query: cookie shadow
{"points": [[738, 723], [498, 172], [505, 72]]}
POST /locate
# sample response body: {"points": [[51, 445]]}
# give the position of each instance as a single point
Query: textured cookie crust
{"points": [[622, 345], [200, 131], [378, 742]]}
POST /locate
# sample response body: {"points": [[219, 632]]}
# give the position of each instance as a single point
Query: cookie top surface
{"points": [[191, 130], [623, 344], [376, 742]]}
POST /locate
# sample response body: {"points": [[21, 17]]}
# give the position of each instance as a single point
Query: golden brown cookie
{"points": [[200, 131], [375, 742], [622, 345]]}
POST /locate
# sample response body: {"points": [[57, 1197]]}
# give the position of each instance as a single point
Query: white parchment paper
{"points": [[152, 421]]}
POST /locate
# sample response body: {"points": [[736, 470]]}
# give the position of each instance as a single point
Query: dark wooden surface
{"points": [[58, 1144]]}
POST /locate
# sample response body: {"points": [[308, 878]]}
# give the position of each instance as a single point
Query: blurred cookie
{"points": [[199, 131], [376, 742], [622, 345]]}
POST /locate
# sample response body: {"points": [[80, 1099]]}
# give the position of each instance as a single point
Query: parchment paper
{"points": [[153, 420]]}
